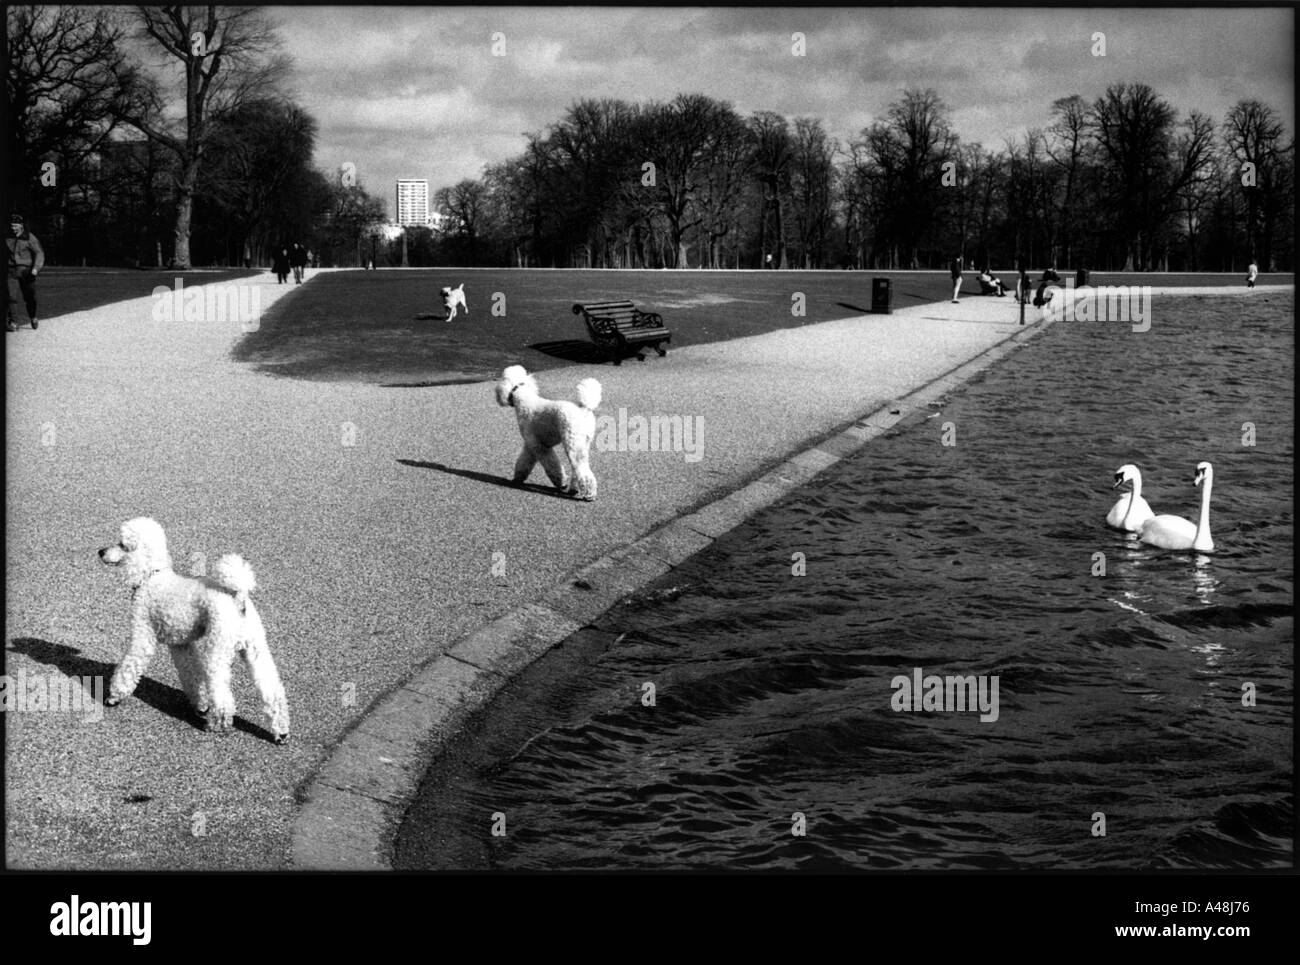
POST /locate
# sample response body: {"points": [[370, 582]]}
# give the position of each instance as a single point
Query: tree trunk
{"points": [[780, 236], [184, 214]]}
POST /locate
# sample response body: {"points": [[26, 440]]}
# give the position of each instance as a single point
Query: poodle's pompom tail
{"points": [[589, 394], [513, 376], [233, 574]]}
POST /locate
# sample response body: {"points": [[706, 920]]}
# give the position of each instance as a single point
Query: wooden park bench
{"points": [[621, 330]]}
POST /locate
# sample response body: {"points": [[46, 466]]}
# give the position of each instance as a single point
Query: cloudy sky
{"points": [[417, 91]]}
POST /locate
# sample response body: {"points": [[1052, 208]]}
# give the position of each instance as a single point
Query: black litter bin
{"points": [[881, 295], [1081, 278]]}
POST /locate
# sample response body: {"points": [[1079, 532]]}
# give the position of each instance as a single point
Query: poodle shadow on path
{"points": [[168, 700], [433, 383], [485, 478]]}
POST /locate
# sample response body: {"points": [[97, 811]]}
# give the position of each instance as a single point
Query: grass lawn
{"points": [[60, 291], [386, 326]]}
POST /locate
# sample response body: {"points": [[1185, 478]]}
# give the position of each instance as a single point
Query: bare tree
{"points": [[65, 77], [679, 138], [259, 150], [466, 204], [1134, 129], [1066, 146], [773, 156], [730, 159], [907, 151], [221, 58], [813, 186], [591, 150], [1253, 135]]}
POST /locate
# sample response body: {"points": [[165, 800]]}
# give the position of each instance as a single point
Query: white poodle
{"points": [[451, 297], [546, 424], [203, 621]]}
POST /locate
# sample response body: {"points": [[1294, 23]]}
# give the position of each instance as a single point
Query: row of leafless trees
{"points": [[1119, 182], [163, 135]]}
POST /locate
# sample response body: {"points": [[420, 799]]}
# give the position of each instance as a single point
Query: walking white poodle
{"points": [[203, 621], [547, 424]]}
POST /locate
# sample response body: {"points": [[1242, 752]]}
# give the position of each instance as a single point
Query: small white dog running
{"points": [[452, 297], [546, 424], [203, 621]]}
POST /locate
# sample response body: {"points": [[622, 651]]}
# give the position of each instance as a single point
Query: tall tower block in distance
{"points": [[412, 202]]}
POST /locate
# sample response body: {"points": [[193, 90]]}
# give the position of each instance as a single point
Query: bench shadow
{"points": [[854, 308], [486, 478], [572, 350], [168, 700]]}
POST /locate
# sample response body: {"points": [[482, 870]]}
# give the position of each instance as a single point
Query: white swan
{"points": [[1176, 533], [1131, 510]]}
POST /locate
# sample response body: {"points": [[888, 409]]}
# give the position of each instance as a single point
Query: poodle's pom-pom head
{"points": [[141, 549], [514, 378], [144, 534], [589, 394], [233, 574]]}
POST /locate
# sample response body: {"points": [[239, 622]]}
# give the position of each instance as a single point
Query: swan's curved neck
{"points": [[1203, 524], [1133, 498]]}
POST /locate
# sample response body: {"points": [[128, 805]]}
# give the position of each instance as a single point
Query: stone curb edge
{"points": [[358, 796]]}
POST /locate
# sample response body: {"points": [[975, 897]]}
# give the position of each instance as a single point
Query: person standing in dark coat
{"points": [[280, 263], [26, 259], [298, 259]]}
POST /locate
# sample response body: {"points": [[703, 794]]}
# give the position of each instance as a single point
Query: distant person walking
{"points": [[26, 259], [280, 263], [1251, 274], [298, 260], [956, 278]]}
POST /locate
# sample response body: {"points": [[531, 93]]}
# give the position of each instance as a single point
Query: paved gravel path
{"points": [[373, 517]]}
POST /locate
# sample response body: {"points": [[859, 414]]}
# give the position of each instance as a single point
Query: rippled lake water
{"points": [[1120, 695]]}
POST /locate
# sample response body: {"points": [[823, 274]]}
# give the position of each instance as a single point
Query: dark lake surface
{"points": [[1120, 695]]}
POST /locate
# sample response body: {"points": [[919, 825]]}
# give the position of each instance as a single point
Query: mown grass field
{"points": [[387, 326], [61, 291]]}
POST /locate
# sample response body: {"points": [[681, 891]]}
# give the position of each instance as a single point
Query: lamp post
{"points": [[1022, 288]]}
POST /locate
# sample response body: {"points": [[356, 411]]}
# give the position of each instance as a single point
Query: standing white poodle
{"points": [[546, 424], [203, 621]]}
